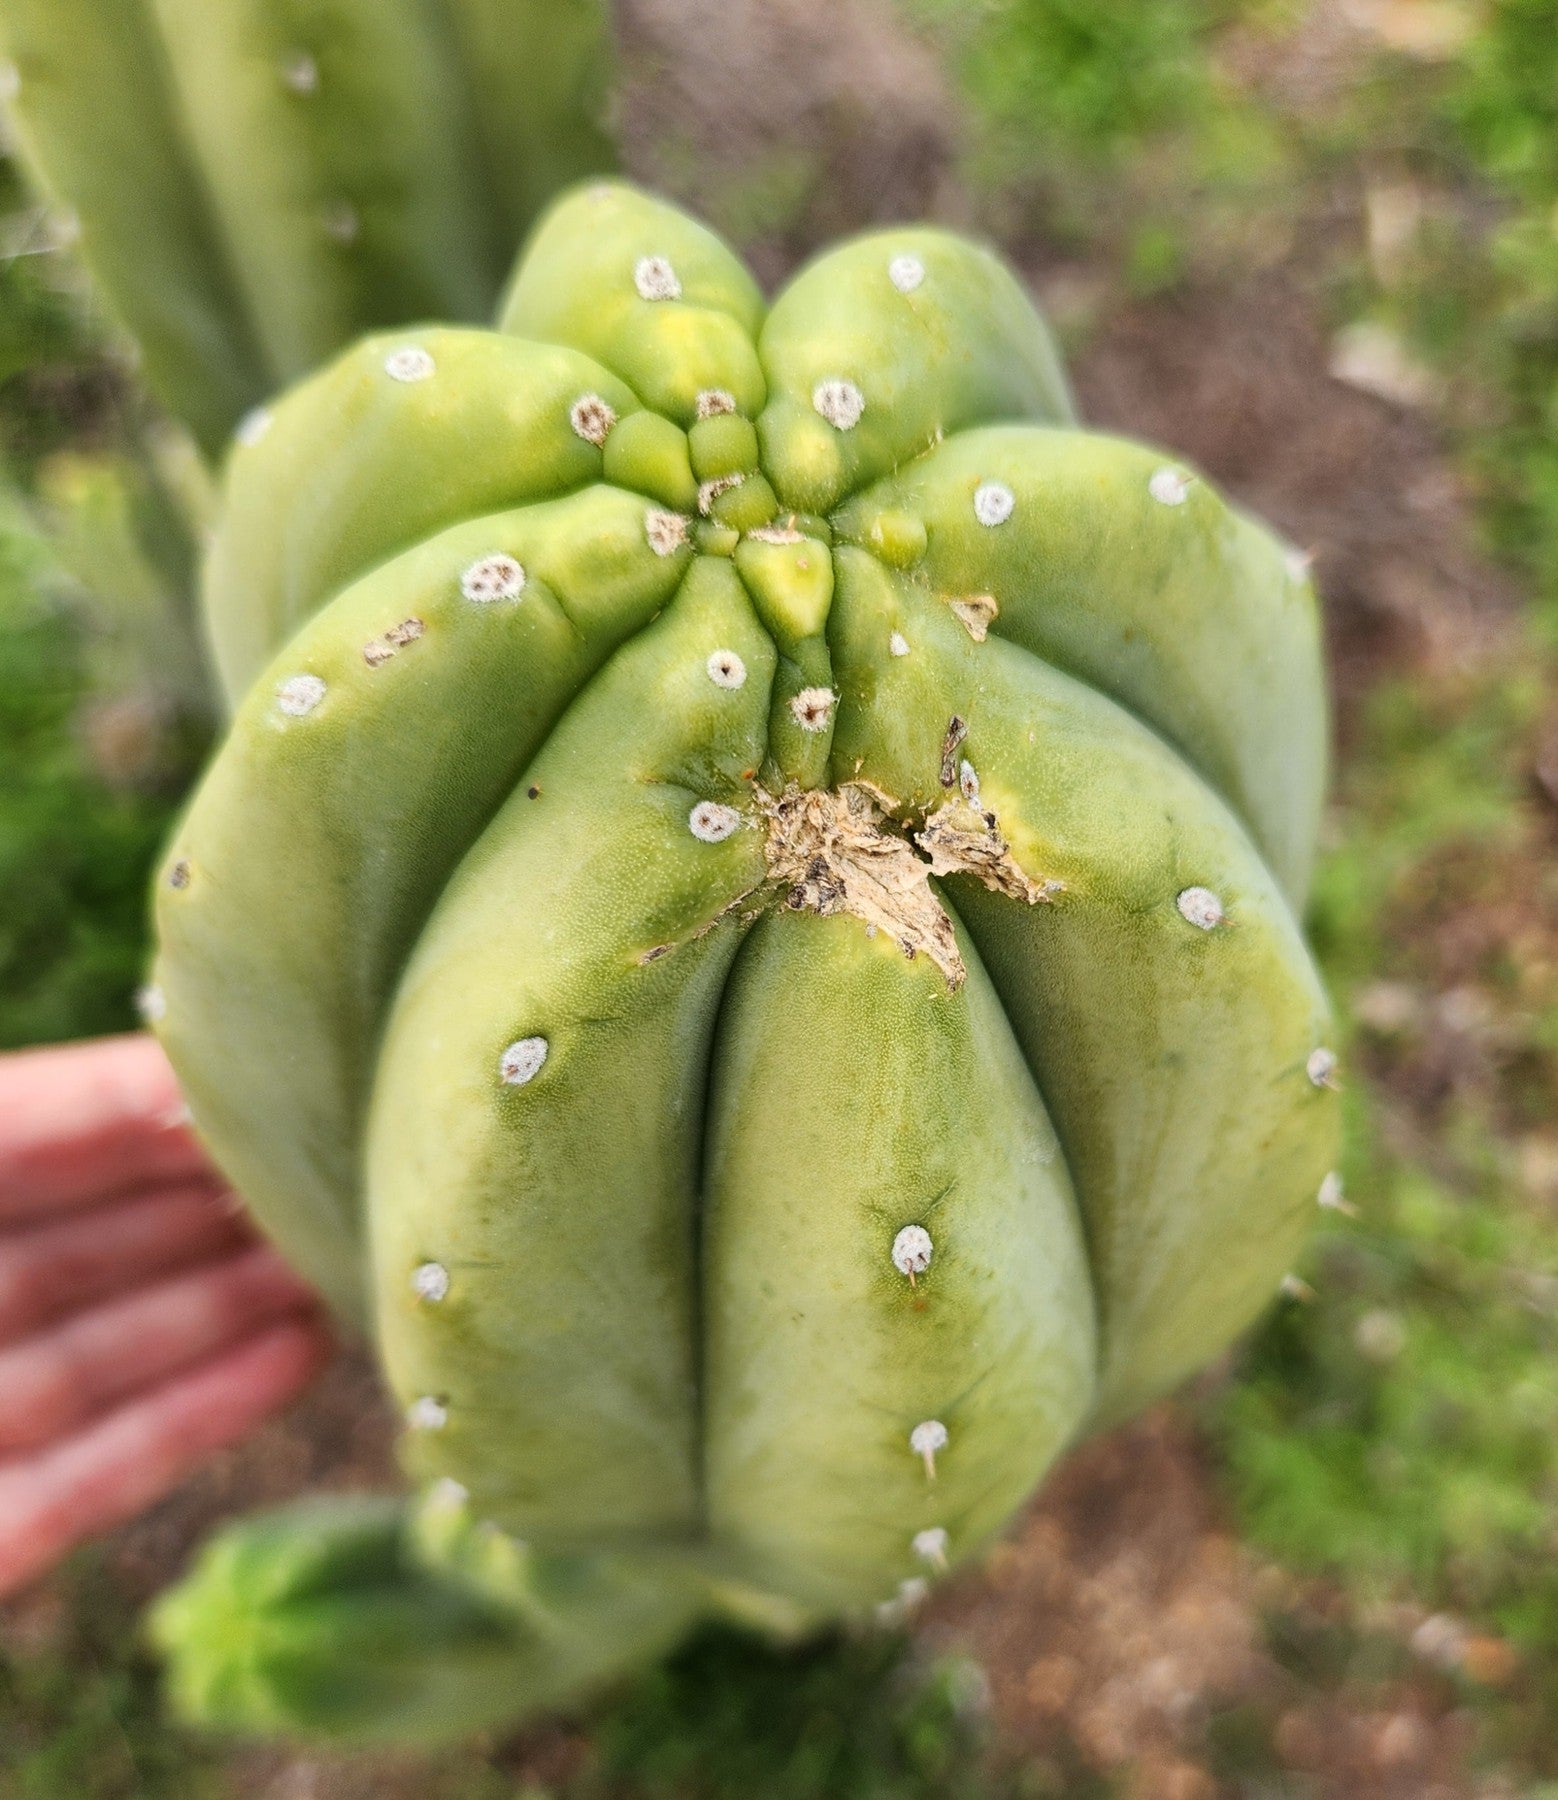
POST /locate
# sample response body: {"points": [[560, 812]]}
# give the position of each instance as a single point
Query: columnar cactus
{"points": [[747, 926], [257, 182]]}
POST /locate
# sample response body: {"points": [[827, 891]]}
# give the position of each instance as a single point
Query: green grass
{"points": [[74, 851]]}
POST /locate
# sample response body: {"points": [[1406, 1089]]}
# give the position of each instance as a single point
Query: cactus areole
{"points": [[747, 927]]}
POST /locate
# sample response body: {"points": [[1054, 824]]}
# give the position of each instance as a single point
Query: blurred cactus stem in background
{"points": [[256, 184]]}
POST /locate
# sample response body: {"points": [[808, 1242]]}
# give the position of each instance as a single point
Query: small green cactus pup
{"points": [[746, 924], [256, 182]]}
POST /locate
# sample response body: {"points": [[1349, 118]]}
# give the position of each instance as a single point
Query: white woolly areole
{"points": [[906, 272], [1200, 907], [522, 1061], [712, 402], [1332, 1196], [151, 1003], [300, 72], [968, 782], [726, 669], [495, 577], [655, 279], [341, 222], [427, 1414], [592, 418], [927, 1439], [1321, 1067], [298, 695], [911, 1594], [712, 823], [253, 425], [446, 1491], [409, 363], [430, 1281], [1299, 563], [898, 644], [813, 708], [10, 82], [993, 502], [912, 1250], [930, 1546], [1169, 487], [710, 491], [838, 401], [665, 532]]}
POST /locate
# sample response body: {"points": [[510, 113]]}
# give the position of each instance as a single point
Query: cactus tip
{"points": [[409, 363], [813, 708], [726, 669], [994, 502], [838, 401], [925, 1440], [712, 823], [430, 1281], [522, 1060], [494, 577], [1200, 907], [1170, 487], [298, 695], [912, 1251], [898, 644], [592, 418], [906, 272], [655, 279], [1322, 1066]]}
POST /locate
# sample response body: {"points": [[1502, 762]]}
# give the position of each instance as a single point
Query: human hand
{"points": [[142, 1324]]}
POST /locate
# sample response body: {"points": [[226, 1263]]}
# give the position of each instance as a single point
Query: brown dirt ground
{"points": [[1120, 1612]]}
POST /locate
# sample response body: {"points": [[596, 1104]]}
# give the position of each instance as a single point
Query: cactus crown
{"points": [[747, 914]]}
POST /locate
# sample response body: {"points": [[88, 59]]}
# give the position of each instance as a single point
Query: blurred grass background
{"points": [[1317, 247]]}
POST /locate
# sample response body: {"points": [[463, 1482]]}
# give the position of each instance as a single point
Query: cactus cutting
{"points": [[746, 929]]}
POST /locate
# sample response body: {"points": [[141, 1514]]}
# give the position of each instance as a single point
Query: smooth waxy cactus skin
{"points": [[850, 1101], [747, 921], [259, 181]]}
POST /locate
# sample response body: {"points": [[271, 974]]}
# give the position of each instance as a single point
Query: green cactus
{"points": [[746, 926], [259, 181]]}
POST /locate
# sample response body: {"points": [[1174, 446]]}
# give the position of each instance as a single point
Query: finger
{"points": [[132, 1457], [65, 1264], [52, 1384], [81, 1121]]}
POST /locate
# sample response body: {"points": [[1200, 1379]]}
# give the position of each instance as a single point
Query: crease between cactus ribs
{"points": [[761, 1194]]}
